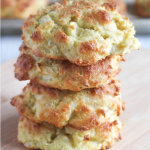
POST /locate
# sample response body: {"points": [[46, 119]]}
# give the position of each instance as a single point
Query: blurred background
{"points": [[13, 14]]}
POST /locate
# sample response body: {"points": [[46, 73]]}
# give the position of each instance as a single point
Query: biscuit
{"points": [[82, 110], [121, 6], [82, 32], [143, 7], [62, 74], [20, 9], [7, 8], [47, 137]]}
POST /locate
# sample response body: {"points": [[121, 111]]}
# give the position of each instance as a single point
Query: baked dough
{"points": [[82, 32]]}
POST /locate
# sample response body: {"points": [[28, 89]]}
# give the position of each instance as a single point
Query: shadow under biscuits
{"points": [[9, 133]]}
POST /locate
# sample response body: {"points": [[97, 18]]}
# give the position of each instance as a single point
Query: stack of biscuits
{"points": [[71, 54]]}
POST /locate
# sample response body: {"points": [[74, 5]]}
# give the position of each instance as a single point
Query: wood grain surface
{"points": [[135, 77]]}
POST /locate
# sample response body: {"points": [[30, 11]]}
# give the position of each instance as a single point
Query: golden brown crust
{"points": [[143, 8], [89, 46], [110, 88], [87, 138], [82, 110], [25, 25], [14, 102], [37, 36], [44, 136], [60, 36], [24, 64], [87, 124], [99, 16], [101, 111], [63, 74]]}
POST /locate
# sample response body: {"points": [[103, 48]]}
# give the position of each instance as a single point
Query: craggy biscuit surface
{"points": [[62, 74], [47, 137], [143, 8], [82, 110], [82, 32], [121, 6], [20, 9]]}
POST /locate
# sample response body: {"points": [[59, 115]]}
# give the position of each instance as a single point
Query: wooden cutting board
{"points": [[135, 77]]}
